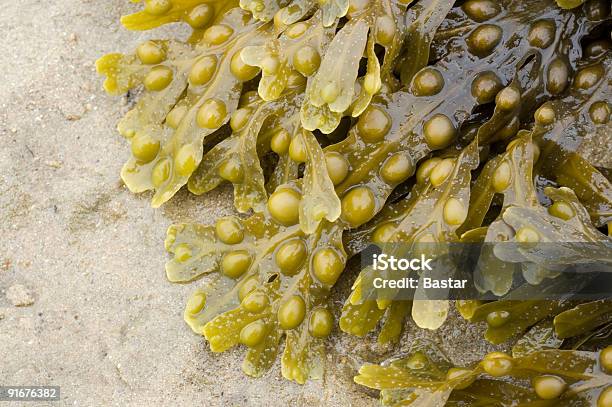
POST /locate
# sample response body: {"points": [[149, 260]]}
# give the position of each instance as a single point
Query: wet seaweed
{"points": [[344, 123]]}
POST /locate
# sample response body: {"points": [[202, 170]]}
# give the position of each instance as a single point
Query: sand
{"points": [[84, 301]]}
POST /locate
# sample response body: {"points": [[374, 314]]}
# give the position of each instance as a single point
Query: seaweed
{"points": [[558, 377], [191, 92], [361, 317], [434, 215], [396, 122], [272, 280], [566, 124], [524, 220]]}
